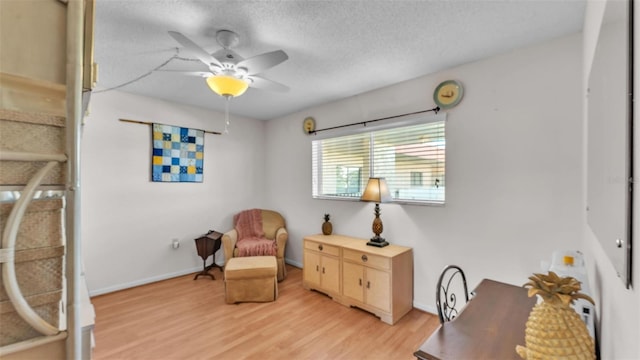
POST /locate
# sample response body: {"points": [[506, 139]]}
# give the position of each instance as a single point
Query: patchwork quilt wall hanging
{"points": [[178, 154]]}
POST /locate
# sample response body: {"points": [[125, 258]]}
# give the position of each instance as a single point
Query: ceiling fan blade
{"points": [[199, 52], [266, 84], [204, 74], [259, 63]]}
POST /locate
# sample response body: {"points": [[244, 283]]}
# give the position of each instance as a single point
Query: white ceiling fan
{"points": [[230, 74]]}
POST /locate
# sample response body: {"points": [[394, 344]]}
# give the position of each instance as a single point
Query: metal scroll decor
{"points": [[446, 298], [449, 310]]}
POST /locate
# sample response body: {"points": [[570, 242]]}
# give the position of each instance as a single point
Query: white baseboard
{"points": [[160, 278], [426, 308], [418, 305], [294, 263], [143, 281]]}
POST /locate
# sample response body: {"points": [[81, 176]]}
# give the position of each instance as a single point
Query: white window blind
{"points": [[411, 159]]}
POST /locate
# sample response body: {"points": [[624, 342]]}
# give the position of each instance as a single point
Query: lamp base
{"points": [[377, 241]]}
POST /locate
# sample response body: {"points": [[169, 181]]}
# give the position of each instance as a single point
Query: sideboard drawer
{"points": [[372, 260], [323, 248]]}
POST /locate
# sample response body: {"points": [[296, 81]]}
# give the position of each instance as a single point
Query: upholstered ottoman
{"points": [[252, 278]]}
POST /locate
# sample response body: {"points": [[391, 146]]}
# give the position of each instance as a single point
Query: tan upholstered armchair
{"points": [[274, 228]]}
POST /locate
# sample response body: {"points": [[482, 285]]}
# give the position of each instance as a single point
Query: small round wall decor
{"points": [[448, 94], [308, 125]]}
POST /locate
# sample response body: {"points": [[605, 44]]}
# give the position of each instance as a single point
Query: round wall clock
{"points": [[448, 94], [308, 125]]}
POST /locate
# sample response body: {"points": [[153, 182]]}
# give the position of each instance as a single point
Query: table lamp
{"points": [[378, 192]]}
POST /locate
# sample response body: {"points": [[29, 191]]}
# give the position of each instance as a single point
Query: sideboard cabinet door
{"points": [[353, 281], [377, 289], [321, 270]]}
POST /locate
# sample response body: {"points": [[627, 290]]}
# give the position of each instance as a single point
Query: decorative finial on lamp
{"points": [[378, 192]]}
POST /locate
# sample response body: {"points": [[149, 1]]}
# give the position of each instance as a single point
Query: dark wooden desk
{"points": [[489, 327]]}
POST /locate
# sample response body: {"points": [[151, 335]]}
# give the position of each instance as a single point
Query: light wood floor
{"points": [[185, 319]]}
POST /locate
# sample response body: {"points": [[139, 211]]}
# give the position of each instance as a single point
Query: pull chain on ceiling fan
{"points": [[229, 74]]}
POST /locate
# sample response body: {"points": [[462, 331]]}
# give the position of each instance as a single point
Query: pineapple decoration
{"points": [[377, 222], [327, 227], [554, 329]]}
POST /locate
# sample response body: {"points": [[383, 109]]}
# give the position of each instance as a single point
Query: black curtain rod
{"points": [[364, 123]]}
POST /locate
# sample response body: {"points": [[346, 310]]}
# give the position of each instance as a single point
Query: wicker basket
{"points": [[39, 268], [35, 133]]}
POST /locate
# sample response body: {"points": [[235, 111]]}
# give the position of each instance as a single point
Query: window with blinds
{"points": [[410, 158]]}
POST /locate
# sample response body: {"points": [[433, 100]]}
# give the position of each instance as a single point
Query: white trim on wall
{"points": [[145, 281]]}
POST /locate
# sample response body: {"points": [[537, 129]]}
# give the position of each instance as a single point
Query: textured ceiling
{"points": [[336, 49]]}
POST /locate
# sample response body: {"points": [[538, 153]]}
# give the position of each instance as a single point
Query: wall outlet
{"points": [[175, 243]]}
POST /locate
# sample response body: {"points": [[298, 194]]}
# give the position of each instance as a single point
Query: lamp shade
{"points": [[225, 85], [376, 191]]}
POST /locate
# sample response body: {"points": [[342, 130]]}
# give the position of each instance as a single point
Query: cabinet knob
{"points": [[320, 247], [364, 258], [368, 284], [360, 282], [323, 269]]}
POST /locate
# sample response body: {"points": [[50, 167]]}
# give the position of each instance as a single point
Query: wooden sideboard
{"points": [[378, 280]]}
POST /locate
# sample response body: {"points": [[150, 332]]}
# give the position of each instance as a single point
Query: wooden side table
{"points": [[207, 245]]}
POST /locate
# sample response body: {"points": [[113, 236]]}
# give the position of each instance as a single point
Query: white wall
{"points": [[617, 308], [515, 182], [128, 222], [514, 162]]}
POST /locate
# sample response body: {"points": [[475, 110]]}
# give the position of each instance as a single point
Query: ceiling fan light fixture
{"points": [[227, 86]]}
